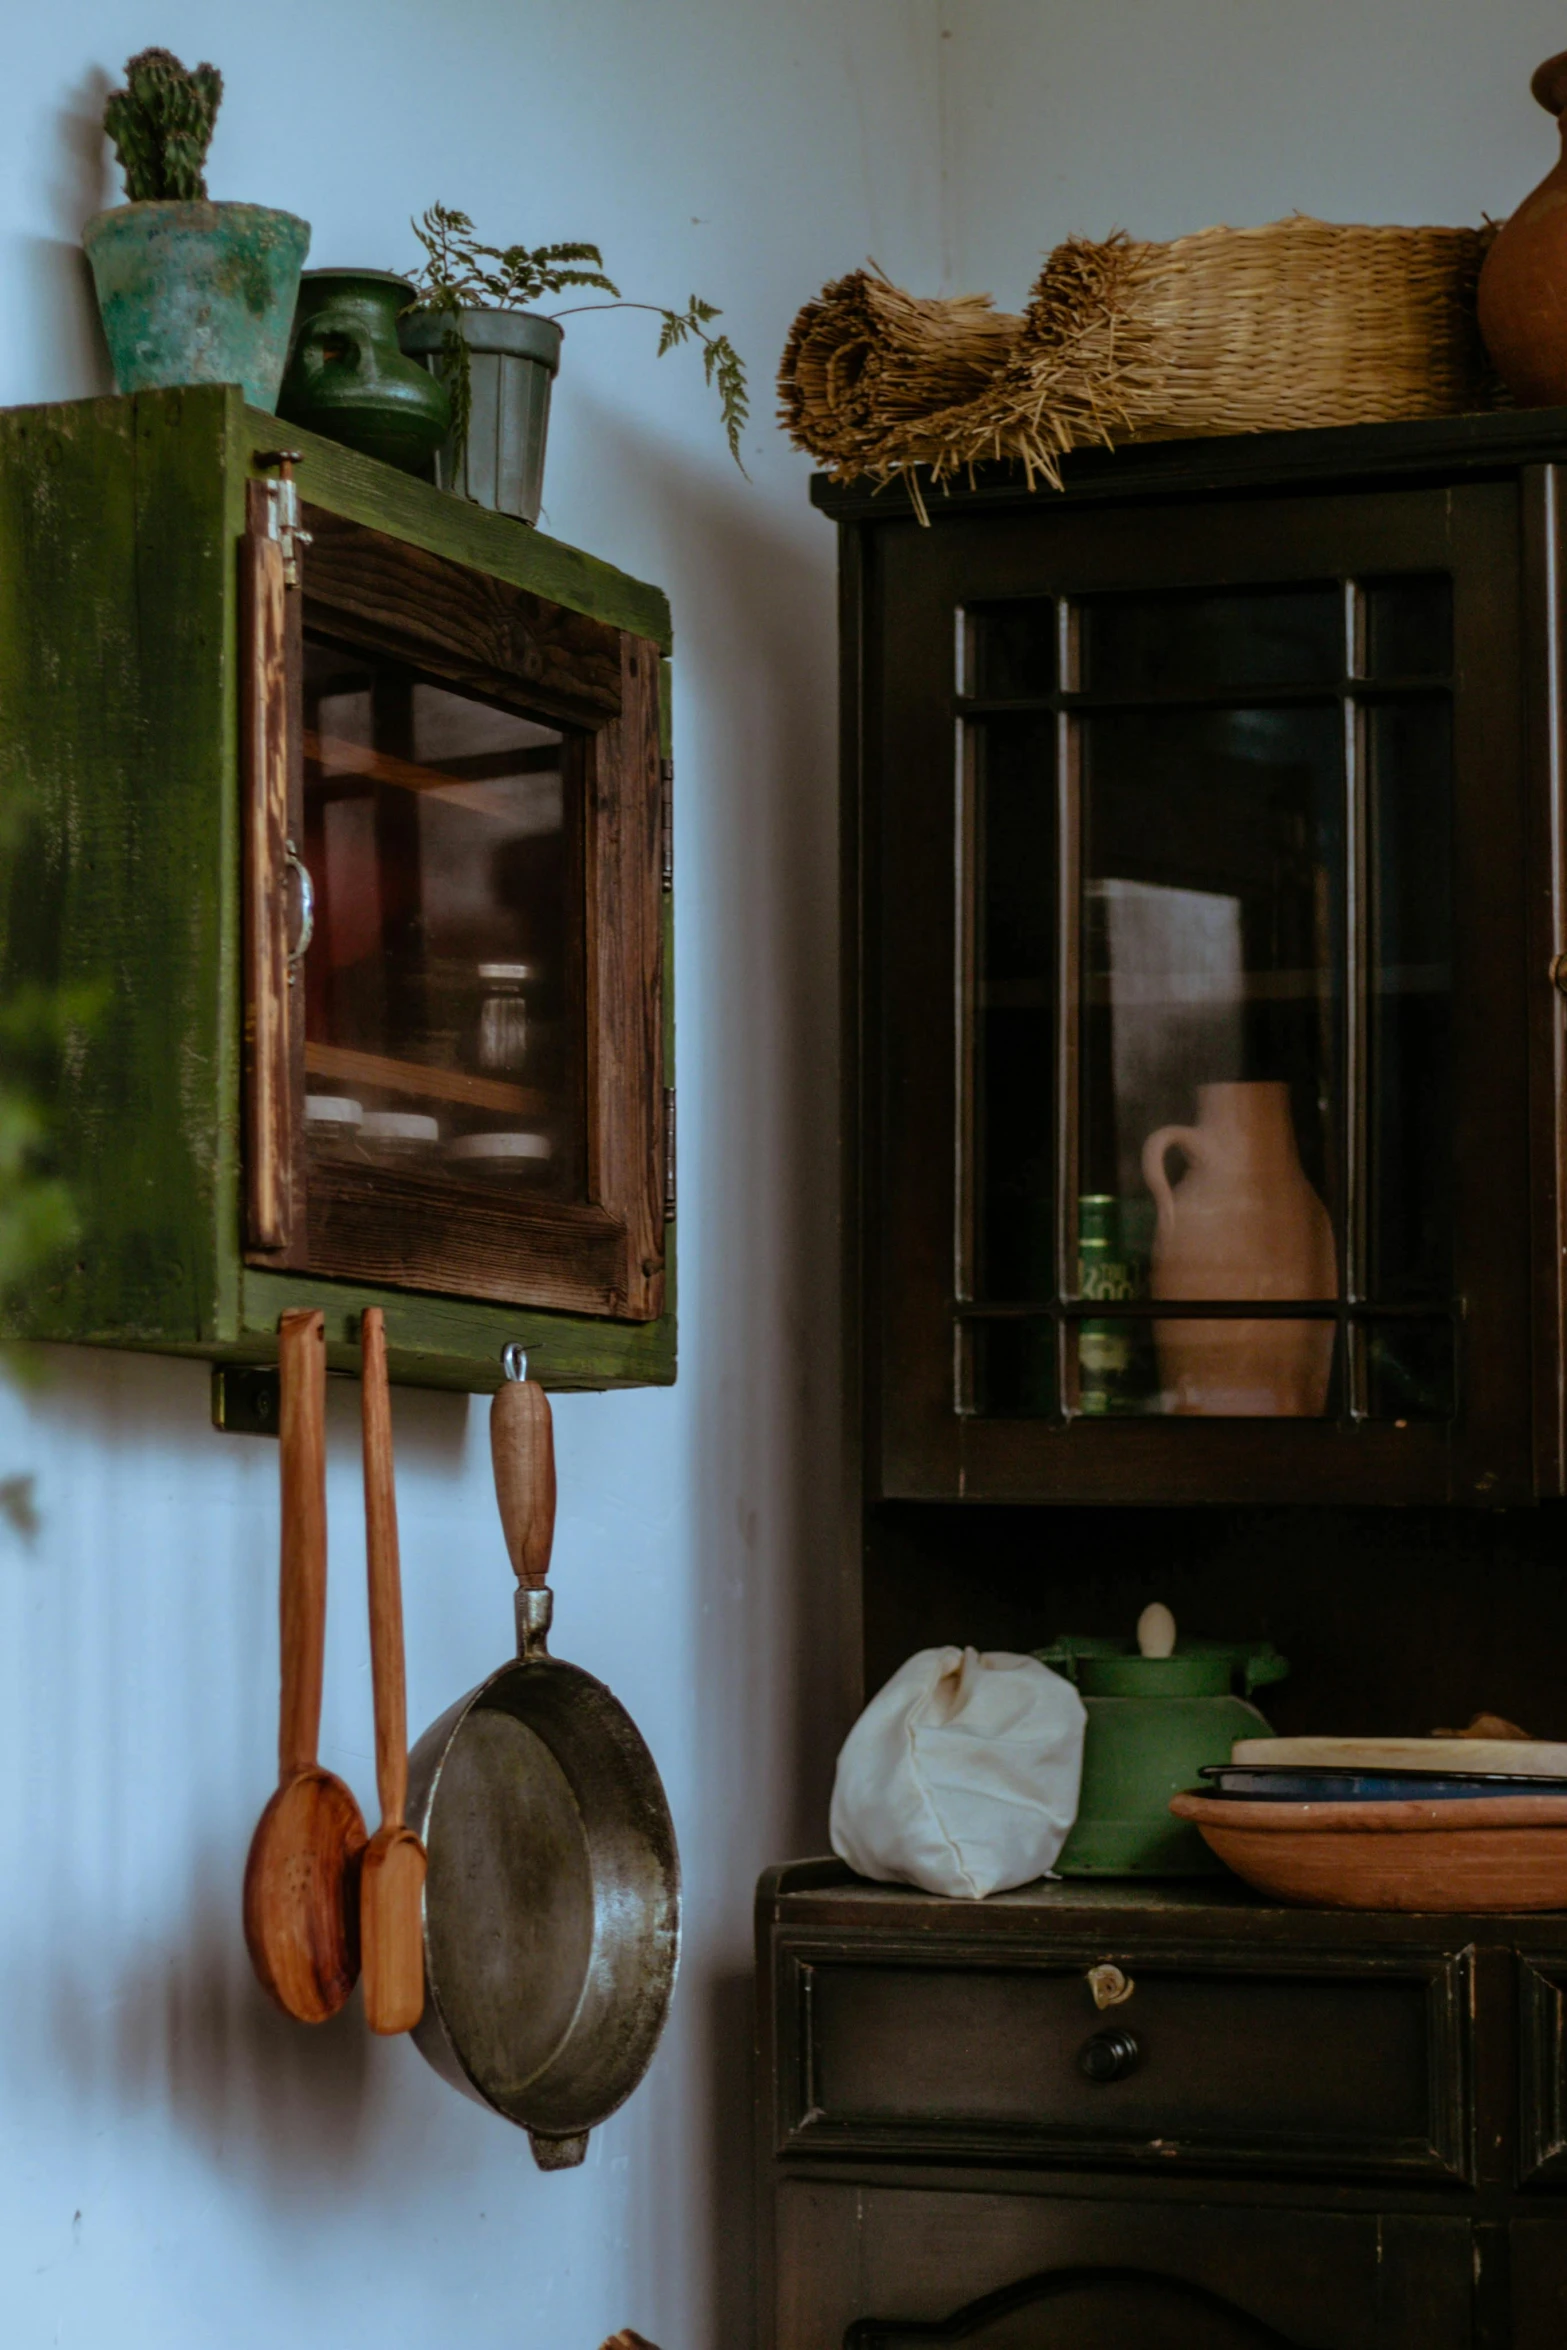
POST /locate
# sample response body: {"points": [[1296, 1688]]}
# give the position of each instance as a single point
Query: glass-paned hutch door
{"points": [[1206, 989]]}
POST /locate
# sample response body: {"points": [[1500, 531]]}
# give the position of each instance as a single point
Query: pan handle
{"points": [[522, 1448]]}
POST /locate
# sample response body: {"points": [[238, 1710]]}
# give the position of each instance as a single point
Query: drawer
{"points": [[1354, 2062], [907, 2268]]}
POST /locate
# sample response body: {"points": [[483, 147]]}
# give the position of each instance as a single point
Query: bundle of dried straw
{"points": [[871, 375], [1302, 322]]}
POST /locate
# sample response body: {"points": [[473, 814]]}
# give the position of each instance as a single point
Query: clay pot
{"points": [[1242, 1222], [197, 293], [1523, 286]]}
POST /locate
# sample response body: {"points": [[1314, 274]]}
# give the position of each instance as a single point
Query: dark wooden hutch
{"points": [[1234, 764]]}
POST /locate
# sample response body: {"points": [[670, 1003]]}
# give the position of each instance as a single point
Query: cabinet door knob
{"points": [[1108, 2056], [1559, 973]]}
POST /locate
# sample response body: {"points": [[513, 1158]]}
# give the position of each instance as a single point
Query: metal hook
{"points": [[514, 1360]]}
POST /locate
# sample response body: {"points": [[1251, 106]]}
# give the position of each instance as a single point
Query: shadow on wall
{"points": [[189, 2030], [60, 327], [756, 803]]}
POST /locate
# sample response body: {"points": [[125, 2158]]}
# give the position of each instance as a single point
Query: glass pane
{"points": [[1213, 961], [1409, 1370], [1409, 791], [1011, 649], [1183, 642], [1210, 1369], [1409, 626], [443, 1010], [1012, 1369], [1013, 882]]}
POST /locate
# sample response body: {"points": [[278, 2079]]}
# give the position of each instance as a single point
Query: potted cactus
{"points": [[190, 292]]}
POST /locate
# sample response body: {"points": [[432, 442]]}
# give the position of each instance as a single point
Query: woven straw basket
{"points": [[1306, 323], [1299, 323]]}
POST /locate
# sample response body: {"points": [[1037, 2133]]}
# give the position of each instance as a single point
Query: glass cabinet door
{"points": [[455, 902], [1219, 829], [1209, 1002]]}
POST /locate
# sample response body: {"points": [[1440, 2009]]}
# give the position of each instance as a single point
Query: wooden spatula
{"points": [[302, 1877], [391, 1881]]}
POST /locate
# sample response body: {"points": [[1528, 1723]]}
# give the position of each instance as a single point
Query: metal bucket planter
{"points": [[197, 293], [512, 358]]}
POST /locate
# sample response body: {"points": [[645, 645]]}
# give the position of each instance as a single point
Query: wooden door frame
{"points": [[602, 1255]]}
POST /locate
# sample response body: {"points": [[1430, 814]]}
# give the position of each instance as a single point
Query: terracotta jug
{"points": [[1523, 286], [1242, 1222]]}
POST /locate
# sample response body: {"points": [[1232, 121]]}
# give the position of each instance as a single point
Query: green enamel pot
{"points": [[347, 376], [197, 293], [1153, 1722]]}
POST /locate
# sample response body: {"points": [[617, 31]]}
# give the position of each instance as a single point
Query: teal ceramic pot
{"points": [[512, 358], [1153, 1722], [347, 376], [197, 293]]}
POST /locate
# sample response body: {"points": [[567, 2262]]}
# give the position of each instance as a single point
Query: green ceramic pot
{"points": [[1153, 1722], [347, 376], [197, 293], [512, 358]]}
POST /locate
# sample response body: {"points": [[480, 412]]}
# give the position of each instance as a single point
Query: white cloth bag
{"points": [[961, 1775]]}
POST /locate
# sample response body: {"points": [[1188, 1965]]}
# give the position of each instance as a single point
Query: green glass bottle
{"points": [[1112, 1369]]}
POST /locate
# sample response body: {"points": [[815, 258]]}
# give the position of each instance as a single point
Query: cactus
{"points": [[161, 124]]}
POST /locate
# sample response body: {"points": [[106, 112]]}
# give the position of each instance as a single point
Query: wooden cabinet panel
{"points": [[179, 1116], [876, 2268], [1542, 2071], [1538, 2249], [1353, 2064]]}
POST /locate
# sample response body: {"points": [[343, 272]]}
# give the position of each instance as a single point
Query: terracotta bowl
{"points": [[1494, 1852]]}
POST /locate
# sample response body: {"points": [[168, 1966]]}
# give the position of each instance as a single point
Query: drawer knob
{"points": [[1108, 2056]]}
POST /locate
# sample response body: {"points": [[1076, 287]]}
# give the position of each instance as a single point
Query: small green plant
{"points": [[161, 124], [458, 273]]}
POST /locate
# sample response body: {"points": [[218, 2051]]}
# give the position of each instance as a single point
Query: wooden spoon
{"points": [[301, 1880], [391, 1881]]}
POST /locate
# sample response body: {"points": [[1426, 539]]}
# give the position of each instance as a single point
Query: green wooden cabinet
{"points": [[125, 681]]}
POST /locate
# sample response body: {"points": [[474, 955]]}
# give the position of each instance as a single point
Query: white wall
{"points": [[1163, 116], [178, 2166]]}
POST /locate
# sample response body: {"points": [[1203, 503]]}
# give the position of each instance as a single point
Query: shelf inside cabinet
{"points": [[421, 1079]]}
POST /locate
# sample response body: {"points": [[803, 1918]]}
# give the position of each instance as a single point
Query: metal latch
{"points": [[282, 510], [667, 771], [669, 1154]]}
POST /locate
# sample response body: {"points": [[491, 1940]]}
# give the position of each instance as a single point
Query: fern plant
{"points": [[161, 124], [458, 273]]}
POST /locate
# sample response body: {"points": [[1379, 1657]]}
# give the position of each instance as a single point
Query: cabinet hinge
{"points": [[282, 511], [669, 1154], [667, 771]]}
